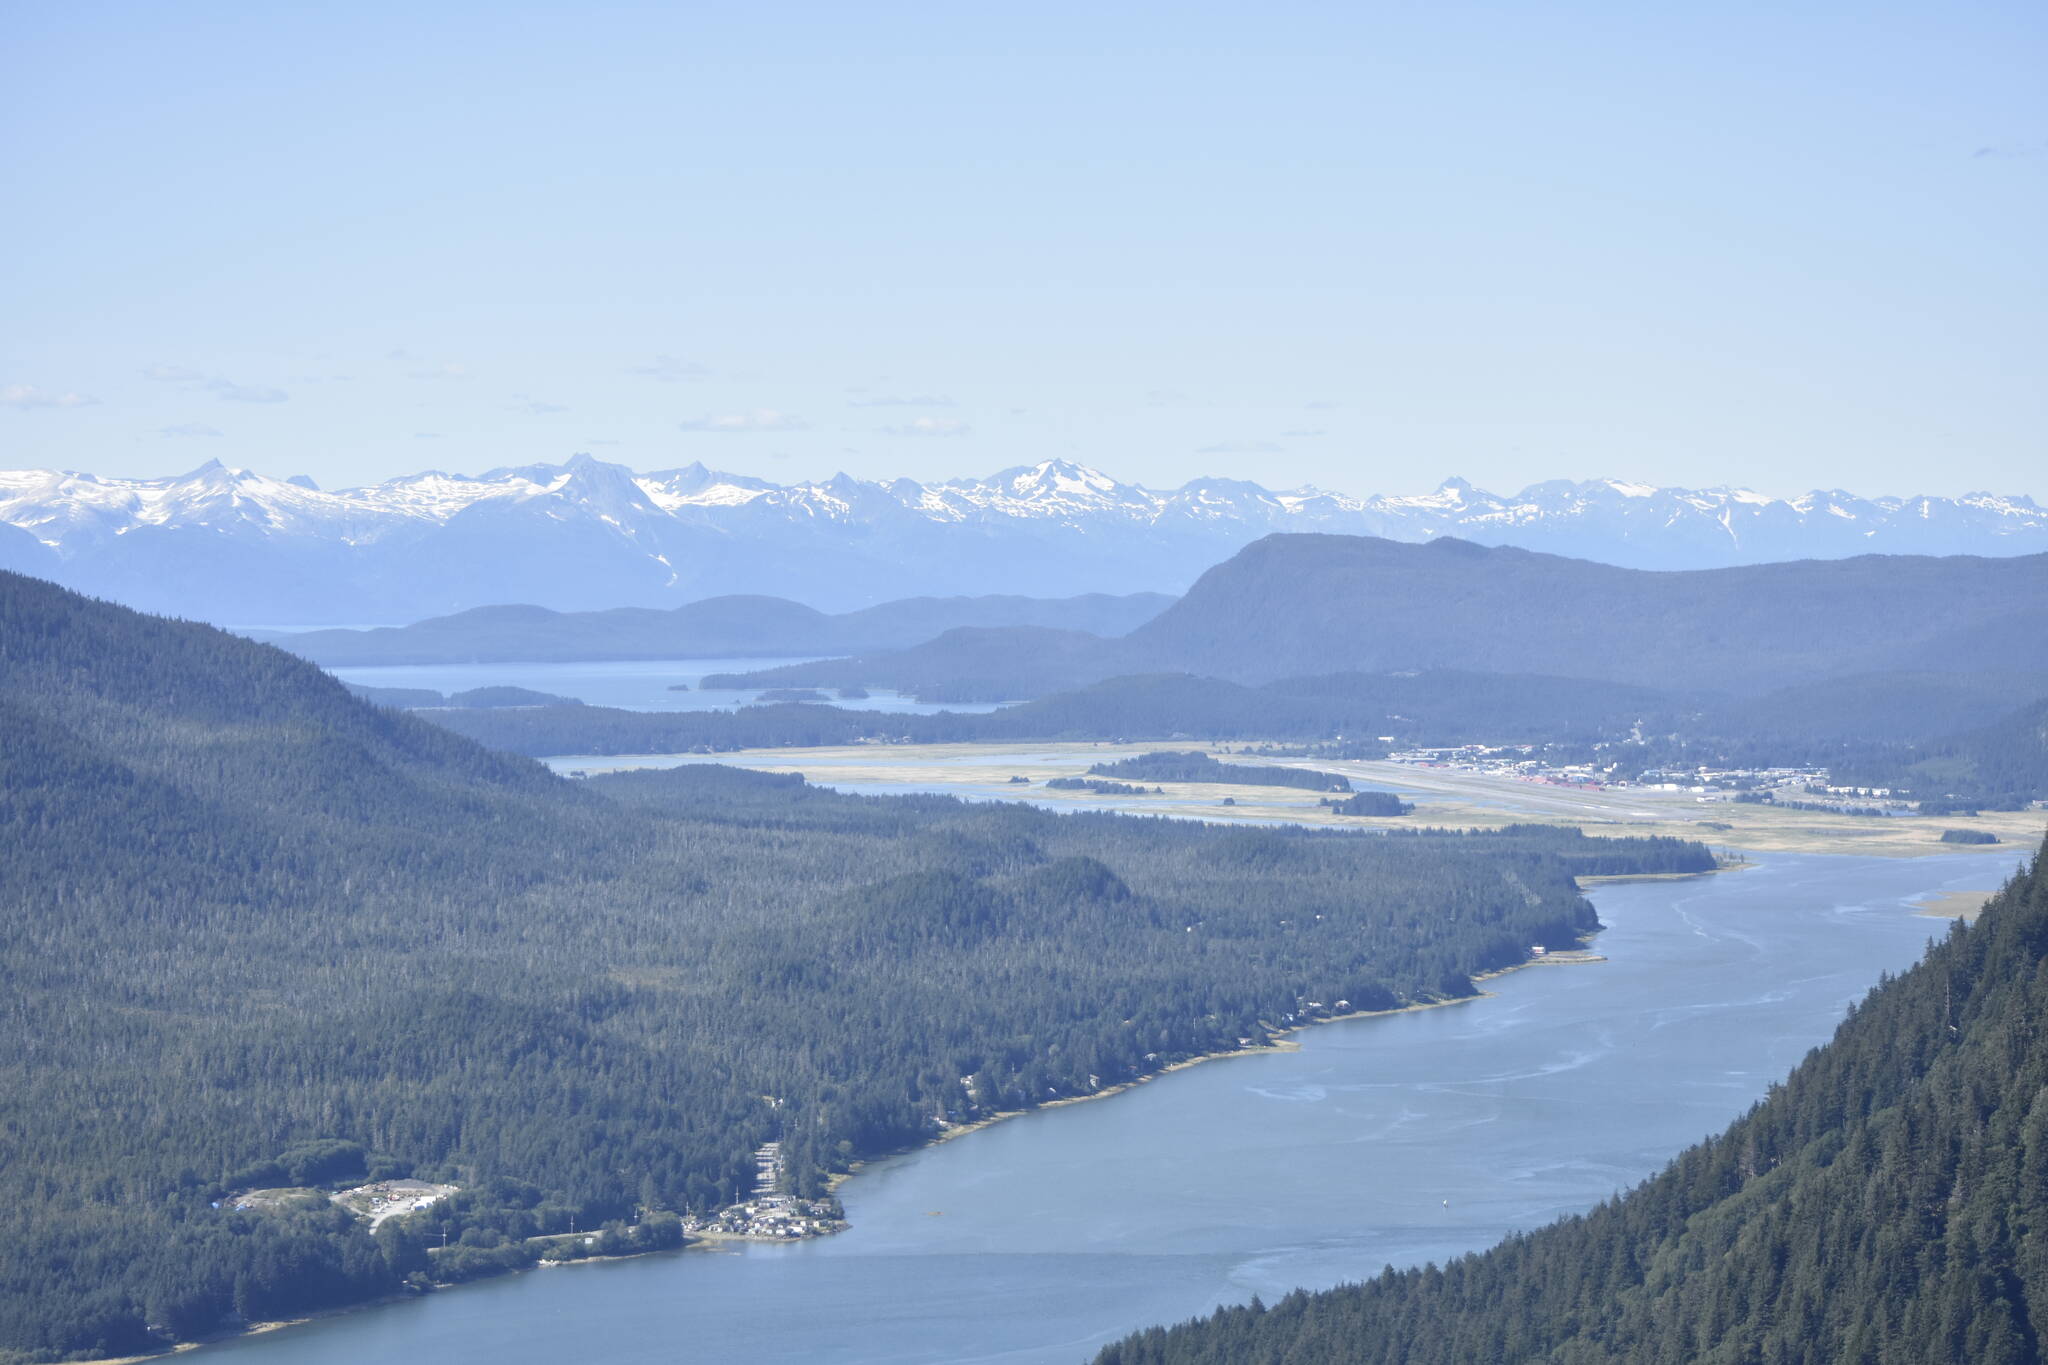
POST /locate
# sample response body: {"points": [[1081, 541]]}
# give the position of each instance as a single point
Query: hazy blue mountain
{"points": [[1299, 605], [240, 547], [719, 627], [21, 552]]}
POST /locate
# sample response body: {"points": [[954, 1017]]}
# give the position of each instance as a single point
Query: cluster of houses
{"points": [[775, 1217], [768, 1214], [1792, 781], [1511, 760], [1519, 761]]}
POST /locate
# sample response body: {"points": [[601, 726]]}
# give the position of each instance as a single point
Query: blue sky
{"points": [[1364, 246]]}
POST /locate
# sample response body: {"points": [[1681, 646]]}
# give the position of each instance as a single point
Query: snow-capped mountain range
{"points": [[236, 546]]}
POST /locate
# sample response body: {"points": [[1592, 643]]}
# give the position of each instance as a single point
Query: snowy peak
{"points": [[588, 533], [57, 505], [1059, 480]]}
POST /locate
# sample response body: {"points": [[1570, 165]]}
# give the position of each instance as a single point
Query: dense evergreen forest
{"points": [[255, 932], [1376, 803], [1887, 1205]]}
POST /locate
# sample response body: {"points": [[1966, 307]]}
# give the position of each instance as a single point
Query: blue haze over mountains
{"points": [[246, 548]]}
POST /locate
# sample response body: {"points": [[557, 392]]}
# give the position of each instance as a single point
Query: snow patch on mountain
{"points": [[236, 544]]}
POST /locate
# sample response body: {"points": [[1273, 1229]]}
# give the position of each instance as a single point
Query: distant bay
{"points": [[631, 685]]}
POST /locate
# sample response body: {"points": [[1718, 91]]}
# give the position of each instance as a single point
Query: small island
{"points": [[1192, 765], [1100, 787], [1367, 803]]}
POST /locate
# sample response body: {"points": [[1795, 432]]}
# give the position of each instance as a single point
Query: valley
{"points": [[1442, 796], [1024, 685]]}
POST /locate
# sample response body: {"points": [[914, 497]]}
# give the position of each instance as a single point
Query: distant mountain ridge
{"points": [[1301, 605], [237, 546], [718, 627]]}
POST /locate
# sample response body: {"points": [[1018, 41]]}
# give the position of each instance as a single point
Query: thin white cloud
{"points": [[29, 396], [930, 426], [923, 401], [231, 392], [670, 369], [188, 429], [446, 370], [534, 407], [1240, 448], [760, 419], [1303, 433], [219, 385]]}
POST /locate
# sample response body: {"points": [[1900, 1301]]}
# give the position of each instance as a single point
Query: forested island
{"points": [[260, 930], [1887, 1205], [1192, 765], [1373, 803]]}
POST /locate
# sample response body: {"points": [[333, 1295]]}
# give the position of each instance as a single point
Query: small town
{"points": [[1801, 786]]}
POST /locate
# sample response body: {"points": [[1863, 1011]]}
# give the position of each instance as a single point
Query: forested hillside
{"points": [[254, 931], [2003, 764], [1887, 1205]]}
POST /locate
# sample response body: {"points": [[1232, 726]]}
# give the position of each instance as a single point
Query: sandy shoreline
{"points": [[1962, 905]]}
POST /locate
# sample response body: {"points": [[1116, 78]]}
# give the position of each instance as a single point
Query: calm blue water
{"points": [[1402, 1139], [635, 685]]}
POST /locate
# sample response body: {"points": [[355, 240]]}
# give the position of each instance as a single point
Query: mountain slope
{"points": [[237, 546], [2001, 765], [1299, 605], [1888, 1205], [1304, 604]]}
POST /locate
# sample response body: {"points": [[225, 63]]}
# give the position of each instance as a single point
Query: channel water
{"points": [[1401, 1139]]}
